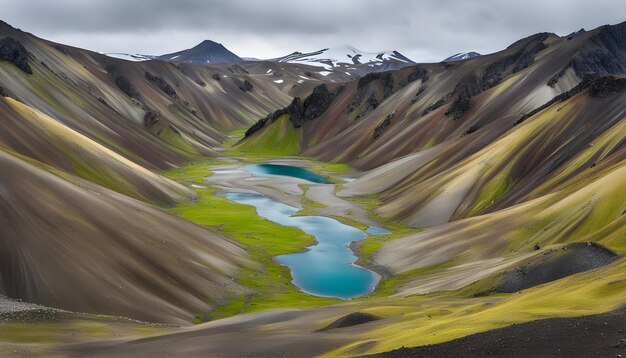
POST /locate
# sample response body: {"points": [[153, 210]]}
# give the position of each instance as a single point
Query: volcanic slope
{"points": [[426, 124], [503, 162], [104, 252], [156, 112], [384, 116], [496, 158]]}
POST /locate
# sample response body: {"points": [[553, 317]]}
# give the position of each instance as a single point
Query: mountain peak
{"points": [[207, 51], [207, 43]]}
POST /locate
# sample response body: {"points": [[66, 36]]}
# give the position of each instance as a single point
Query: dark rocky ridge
{"points": [[380, 129], [150, 118], [122, 82], [161, 84], [472, 84], [604, 54], [14, 52], [387, 83], [246, 86], [312, 107], [602, 87]]}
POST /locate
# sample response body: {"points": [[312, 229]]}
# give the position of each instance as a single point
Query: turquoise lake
{"points": [[326, 268], [286, 170]]}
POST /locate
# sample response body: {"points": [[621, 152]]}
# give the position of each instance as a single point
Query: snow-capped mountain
{"points": [[205, 52], [345, 56], [130, 57], [461, 56]]}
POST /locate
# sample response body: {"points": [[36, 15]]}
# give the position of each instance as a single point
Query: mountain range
{"points": [[345, 59], [499, 177]]}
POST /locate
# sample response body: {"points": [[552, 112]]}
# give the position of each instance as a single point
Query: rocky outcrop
{"points": [[468, 87], [161, 84], [473, 84], [555, 79], [380, 129], [122, 82], [150, 118], [433, 106], [14, 52], [370, 105], [317, 103], [606, 86], [604, 54], [246, 86], [387, 84], [598, 87], [312, 107]]}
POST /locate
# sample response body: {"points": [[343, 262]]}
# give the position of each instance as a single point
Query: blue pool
{"points": [[326, 268], [287, 170]]}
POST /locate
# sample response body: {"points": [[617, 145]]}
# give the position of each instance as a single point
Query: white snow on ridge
{"points": [[128, 56], [462, 56], [330, 58]]}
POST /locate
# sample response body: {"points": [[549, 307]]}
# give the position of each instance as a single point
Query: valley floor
{"points": [[273, 318]]}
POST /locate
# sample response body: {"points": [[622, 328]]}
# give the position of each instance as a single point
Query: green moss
{"points": [[269, 283], [52, 332], [177, 141], [491, 192], [278, 139]]}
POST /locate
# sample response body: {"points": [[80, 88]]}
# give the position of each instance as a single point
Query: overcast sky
{"points": [[425, 31]]}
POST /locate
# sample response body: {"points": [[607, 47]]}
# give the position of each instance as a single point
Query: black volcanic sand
{"points": [[556, 264], [602, 335], [352, 319]]}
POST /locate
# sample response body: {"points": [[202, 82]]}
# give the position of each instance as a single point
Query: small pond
{"points": [[286, 170]]}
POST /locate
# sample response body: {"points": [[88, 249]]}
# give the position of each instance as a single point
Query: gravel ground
{"points": [[602, 335], [17, 311]]}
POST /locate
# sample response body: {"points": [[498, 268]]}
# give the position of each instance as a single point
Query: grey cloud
{"points": [[426, 30]]}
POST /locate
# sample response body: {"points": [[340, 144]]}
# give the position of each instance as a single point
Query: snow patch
{"points": [[330, 58], [129, 57]]}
